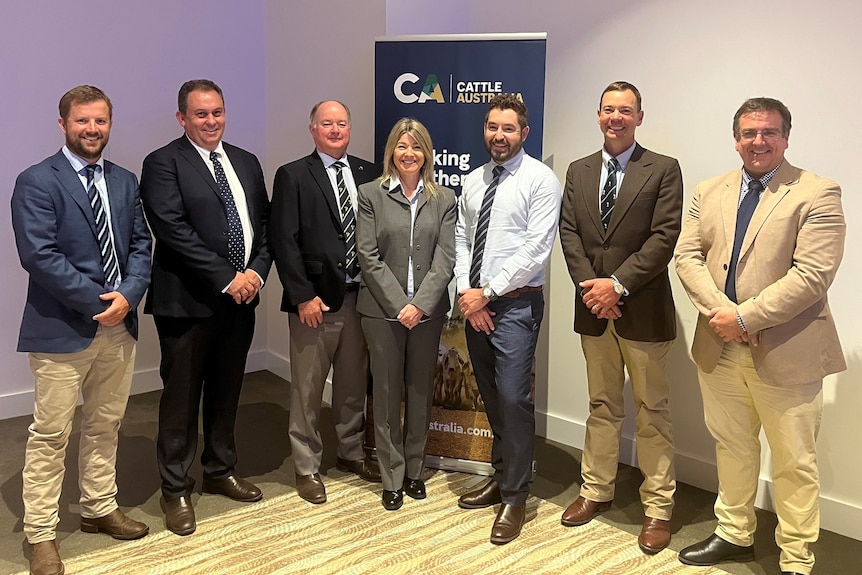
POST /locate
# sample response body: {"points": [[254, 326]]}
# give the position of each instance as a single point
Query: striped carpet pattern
{"points": [[352, 534]]}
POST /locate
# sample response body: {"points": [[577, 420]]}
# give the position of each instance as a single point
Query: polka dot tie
{"points": [[235, 242]]}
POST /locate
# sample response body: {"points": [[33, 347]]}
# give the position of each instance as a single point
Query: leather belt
{"points": [[516, 293], [351, 287]]}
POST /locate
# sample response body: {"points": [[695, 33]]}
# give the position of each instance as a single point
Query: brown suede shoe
{"points": [[582, 511], [361, 467], [485, 496], [310, 488], [507, 525], [179, 515], [45, 560], [116, 524], [655, 535], [234, 487]]}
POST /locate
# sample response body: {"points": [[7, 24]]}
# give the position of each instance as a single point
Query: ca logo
{"points": [[430, 91]]}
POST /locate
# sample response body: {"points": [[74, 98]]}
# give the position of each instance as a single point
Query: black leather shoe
{"points": [[485, 496], [233, 487], [714, 550], [393, 500], [361, 467], [179, 515], [508, 524], [415, 488]]}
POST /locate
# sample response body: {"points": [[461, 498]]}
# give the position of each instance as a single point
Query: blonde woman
{"points": [[405, 239]]}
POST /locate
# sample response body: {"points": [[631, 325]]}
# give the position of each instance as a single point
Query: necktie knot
{"points": [[214, 156], [498, 171], [613, 165], [338, 166], [755, 186], [91, 171]]}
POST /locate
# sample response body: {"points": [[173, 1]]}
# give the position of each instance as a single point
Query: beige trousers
{"points": [[736, 404], [102, 373], [607, 356]]}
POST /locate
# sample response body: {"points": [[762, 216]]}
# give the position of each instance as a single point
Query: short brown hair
{"points": [[622, 87], [753, 105], [83, 95], [509, 102], [192, 85]]}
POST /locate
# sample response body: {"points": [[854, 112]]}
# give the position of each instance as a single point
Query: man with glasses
{"points": [[509, 211], [621, 216], [758, 251]]}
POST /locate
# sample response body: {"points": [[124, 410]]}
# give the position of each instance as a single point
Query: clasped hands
{"points": [[723, 321], [473, 306], [244, 286], [601, 299]]}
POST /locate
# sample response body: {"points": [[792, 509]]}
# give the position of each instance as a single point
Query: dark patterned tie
{"points": [[348, 222], [743, 217], [235, 241], [482, 228], [103, 234], [609, 193]]}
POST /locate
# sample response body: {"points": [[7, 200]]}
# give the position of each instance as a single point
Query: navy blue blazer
{"points": [[56, 237]]}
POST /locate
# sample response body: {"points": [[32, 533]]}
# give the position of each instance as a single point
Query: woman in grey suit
{"points": [[405, 239]]}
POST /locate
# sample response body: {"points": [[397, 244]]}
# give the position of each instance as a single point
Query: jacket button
{"points": [[606, 247], [340, 265], [725, 267]]}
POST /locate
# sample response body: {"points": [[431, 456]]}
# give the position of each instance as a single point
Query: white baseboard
{"points": [[837, 516]]}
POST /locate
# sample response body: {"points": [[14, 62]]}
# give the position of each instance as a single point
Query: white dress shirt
{"points": [[521, 231]]}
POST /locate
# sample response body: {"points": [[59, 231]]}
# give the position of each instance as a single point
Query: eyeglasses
{"points": [[768, 134]]}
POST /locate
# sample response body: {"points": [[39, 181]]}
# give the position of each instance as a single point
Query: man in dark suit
{"points": [[313, 215], [622, 208], [82, 237], [206, 203]]}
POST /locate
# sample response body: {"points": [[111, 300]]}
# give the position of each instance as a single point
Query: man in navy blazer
{"points": [[207, 205], [82, 238]]}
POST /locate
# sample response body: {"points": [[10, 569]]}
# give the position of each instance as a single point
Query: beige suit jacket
{"points": [[383, 247], [788, 260]]}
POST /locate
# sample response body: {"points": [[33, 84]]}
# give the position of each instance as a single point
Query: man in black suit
{"points": [[207, 206], [313, 216]]}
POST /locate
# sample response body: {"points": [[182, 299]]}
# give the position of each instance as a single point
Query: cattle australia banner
{"points": [[446, 82]]}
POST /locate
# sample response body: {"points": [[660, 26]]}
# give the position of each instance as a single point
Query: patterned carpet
{"points": [[352, 534]]}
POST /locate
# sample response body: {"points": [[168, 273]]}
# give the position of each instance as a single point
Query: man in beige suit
{"points": [[765, 336]]}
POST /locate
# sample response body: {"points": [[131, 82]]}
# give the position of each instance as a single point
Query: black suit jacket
{"points": [[306, 238], [636, 247], [186, 214]]}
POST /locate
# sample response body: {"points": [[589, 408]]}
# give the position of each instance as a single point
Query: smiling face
{"points": [[204, 118], [504, 136], [330, 129], [408, 158], [618, 116], [761, 141], [87, 128]]}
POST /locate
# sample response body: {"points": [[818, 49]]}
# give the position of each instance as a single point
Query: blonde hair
{"points": [[418, 132]]}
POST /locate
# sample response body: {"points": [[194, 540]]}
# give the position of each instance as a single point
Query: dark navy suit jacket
{"points": [[57, 244]]}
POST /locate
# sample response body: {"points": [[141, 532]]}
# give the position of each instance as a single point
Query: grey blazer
{"points": [[383, 248]]}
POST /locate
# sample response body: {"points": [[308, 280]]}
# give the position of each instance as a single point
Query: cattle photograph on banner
{"points": [[447, 82]]}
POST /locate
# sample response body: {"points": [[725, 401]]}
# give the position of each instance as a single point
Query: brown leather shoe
{"points": [[234, 487], [116, 524], [310, 488], [655, 535], [508, 524], [582, 511], [179, 515], [45, 560], [361, 467], [485, 496]]}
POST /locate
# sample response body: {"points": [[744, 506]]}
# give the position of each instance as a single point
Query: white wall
{"points": [[694, 63]]}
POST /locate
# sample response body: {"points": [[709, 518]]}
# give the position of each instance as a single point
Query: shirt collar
{"points": [[205, 154], [764, 179], [78, 163], [329, 160], [513, 163], [395, 182], [622, 159]]}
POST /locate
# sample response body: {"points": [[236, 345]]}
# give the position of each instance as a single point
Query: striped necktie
{"points": [[609, 193], [235, 241], [482, 228], [348, 222], [103, 234]]}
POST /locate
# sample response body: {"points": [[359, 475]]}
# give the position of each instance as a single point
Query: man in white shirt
{"points": [[509, 211]]}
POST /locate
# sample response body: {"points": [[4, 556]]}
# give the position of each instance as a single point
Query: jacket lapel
{"points": [[779, 186], [318, 172], [71, 183], [589, 188], [636, 175]]}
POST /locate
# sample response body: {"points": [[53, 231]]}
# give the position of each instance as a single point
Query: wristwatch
{"points": [[619, 289], [488, 293]]}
